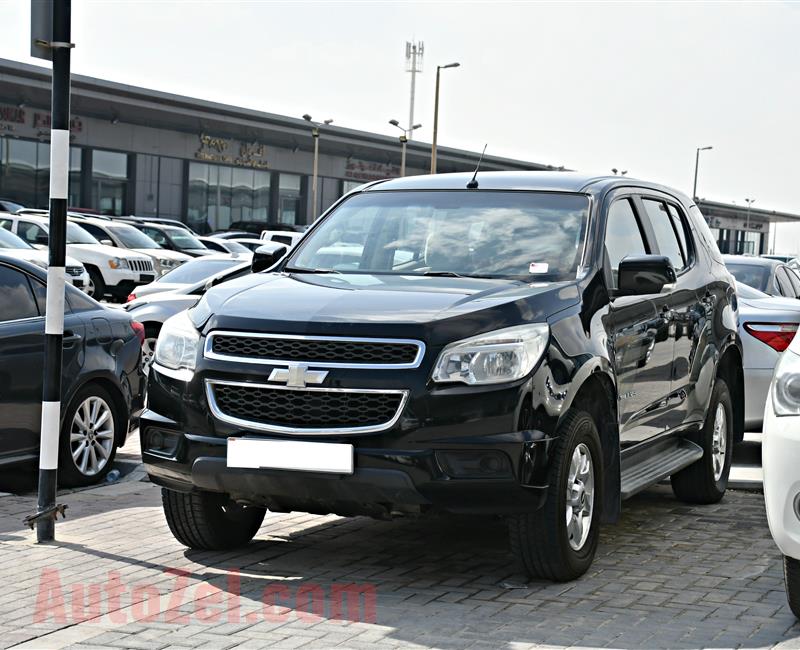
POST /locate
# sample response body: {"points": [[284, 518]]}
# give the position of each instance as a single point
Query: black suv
{"points": [[534, 345]]}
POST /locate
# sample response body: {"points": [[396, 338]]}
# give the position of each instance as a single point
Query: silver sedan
{"points": [[767, 324]]}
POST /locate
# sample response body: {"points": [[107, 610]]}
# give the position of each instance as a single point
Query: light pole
{"points": [[439, 68], [696, 165], [404, 140], [315, 135], [747, 217], [617, 171]]}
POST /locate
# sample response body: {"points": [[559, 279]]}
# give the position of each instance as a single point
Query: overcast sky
{"points": [[591, 86]]}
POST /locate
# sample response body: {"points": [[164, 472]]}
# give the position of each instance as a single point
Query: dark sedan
{"points": [[174, 238], [101, 381], [773, 277]]}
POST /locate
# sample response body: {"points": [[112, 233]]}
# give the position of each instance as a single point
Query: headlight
{"points": [[494, 357], [117, 263], [786, 385], [177, 345]]}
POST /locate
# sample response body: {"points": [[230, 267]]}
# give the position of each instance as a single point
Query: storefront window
{"points": [[109, 181], [289, 198], [25, 172], [220, 195]]}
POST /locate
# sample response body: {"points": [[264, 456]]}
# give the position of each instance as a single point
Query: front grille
{"points": [[317, 410], [74, 271], [141, 265], [316, 350]]}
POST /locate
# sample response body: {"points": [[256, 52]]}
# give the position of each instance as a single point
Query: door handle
{"points": [[70, 338]]}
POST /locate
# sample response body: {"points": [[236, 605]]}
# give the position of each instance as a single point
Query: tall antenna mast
{"points": [[414, 52]]}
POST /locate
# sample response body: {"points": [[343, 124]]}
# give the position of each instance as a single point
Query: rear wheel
{"points": [[210, 521], [706, 480], [559, 541], [149, 346]]}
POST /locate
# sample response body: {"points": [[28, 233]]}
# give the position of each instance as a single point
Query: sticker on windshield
{"points": [[538, 267]]}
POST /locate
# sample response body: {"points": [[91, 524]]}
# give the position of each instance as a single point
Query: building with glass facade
{"points": [[144, 152]]}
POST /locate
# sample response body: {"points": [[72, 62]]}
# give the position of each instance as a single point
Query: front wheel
{"points": [[97, 286], [210, 521], [149, 346], [558, 541]]}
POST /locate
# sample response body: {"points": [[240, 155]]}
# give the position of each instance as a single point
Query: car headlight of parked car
{"points": [[177, 346], [117, 263], [493, 357], [786, 385]]}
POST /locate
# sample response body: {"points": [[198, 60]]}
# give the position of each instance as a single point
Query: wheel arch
{"points": [[729, 368]]}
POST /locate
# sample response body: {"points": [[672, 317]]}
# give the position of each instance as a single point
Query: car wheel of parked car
{"points": [[706, 480], [791, 577], [210, 521], [149, 346], [88, 437], [97, 286], [558, 541]]}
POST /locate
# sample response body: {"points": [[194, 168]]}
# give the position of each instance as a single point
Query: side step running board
{"points": [[645, 467]]}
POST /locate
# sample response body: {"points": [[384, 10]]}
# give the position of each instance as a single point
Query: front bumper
{"points": [[120, 282], [780, 453]]}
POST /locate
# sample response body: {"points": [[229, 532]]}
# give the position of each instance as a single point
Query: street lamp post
{"points": [[747, 217], [315, 135], [696, 165], [403, 141], [439, 68]]}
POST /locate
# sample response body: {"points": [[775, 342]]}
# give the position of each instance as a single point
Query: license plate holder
{"points": [[293, 455]]}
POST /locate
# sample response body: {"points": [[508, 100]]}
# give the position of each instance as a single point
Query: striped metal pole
{"points": [[54, 318]]}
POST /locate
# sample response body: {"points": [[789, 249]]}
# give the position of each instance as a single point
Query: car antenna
{"points": [[473, 184]]}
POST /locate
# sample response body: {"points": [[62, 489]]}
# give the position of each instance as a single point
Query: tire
{"points": [[209, 521], [706, 480], [791, 576], [149, 346], [89, 434], [541, 540], [97, 286]]}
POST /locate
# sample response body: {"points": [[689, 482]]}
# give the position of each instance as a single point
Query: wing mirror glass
{"points": [[267, 255], [644, 274]]}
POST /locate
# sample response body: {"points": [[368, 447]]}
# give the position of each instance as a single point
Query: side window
{"points": [[794, 279], [623, 235], [666, 238], [679, 224], [784, 284], [31, 233], [156, 235], [16, 297], [6, 223], [96, 231]]}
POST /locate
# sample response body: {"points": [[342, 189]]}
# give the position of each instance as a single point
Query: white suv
{"points": [[780, 452], [124, 235], [111, 270]]}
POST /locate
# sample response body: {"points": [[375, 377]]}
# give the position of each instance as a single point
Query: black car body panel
{"points": [[99, 346], [644, 366]]}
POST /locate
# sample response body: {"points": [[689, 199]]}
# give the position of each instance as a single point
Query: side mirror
{"points": [[42, 239], [107, 242], [644, 274], [267, 255]]}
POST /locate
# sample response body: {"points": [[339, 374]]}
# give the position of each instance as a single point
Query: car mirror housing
{"points": [[267, 255], [644, 274]]}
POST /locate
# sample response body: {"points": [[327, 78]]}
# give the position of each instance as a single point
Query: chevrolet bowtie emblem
{"points": [[297, 375]]}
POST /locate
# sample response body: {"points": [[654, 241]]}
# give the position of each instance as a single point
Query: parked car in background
{"points": [[219, 245], [780, 459], [112, 271], [770, 276], [123, 235], [160, 220], [173, 238], [197, 270], [281, 236], [767, 325], [469, 362], [230, 234], [250, 243], [101, 381], [153, 309], [255, 227], [7, 205], [791, 260], [13, 246]]}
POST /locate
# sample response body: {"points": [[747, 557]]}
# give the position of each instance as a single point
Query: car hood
{"points": [[162, 253], [36, 256], [380, 305], [103, 250], [156, 287]]}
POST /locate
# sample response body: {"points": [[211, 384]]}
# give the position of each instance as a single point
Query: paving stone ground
{"points": [[667, 576]]}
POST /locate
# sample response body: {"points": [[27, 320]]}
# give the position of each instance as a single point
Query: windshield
{"points": [[235, 247], [130, 237], [197, 270], [753, 275], [184, 239], [746, 291], [519, 235], [10, 240], [77, 235]]}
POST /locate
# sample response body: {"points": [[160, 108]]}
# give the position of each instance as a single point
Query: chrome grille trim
{"points": [[270, 428], [141, 265], [208, 351]]}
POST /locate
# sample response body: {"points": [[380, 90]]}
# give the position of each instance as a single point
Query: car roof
{"points": [[751, 260], [542, 181]]}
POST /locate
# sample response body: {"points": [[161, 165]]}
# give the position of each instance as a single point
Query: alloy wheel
{"points": [[148, 352], [719, 441], [580, 497], [91, 435]]}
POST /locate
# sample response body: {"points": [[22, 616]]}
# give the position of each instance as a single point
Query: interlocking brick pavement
{"points": [[668, 576]]}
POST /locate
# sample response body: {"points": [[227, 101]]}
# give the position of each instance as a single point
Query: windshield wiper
{"points": [[444, 274], [299, 270]]}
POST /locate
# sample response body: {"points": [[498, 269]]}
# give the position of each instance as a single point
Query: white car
{"points": [[780, 452], [111, 270], [13, 246], [197, 270], [282, 237], [123, 235]]}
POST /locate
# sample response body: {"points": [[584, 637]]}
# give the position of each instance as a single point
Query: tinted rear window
{"points": [[751, 274]]}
